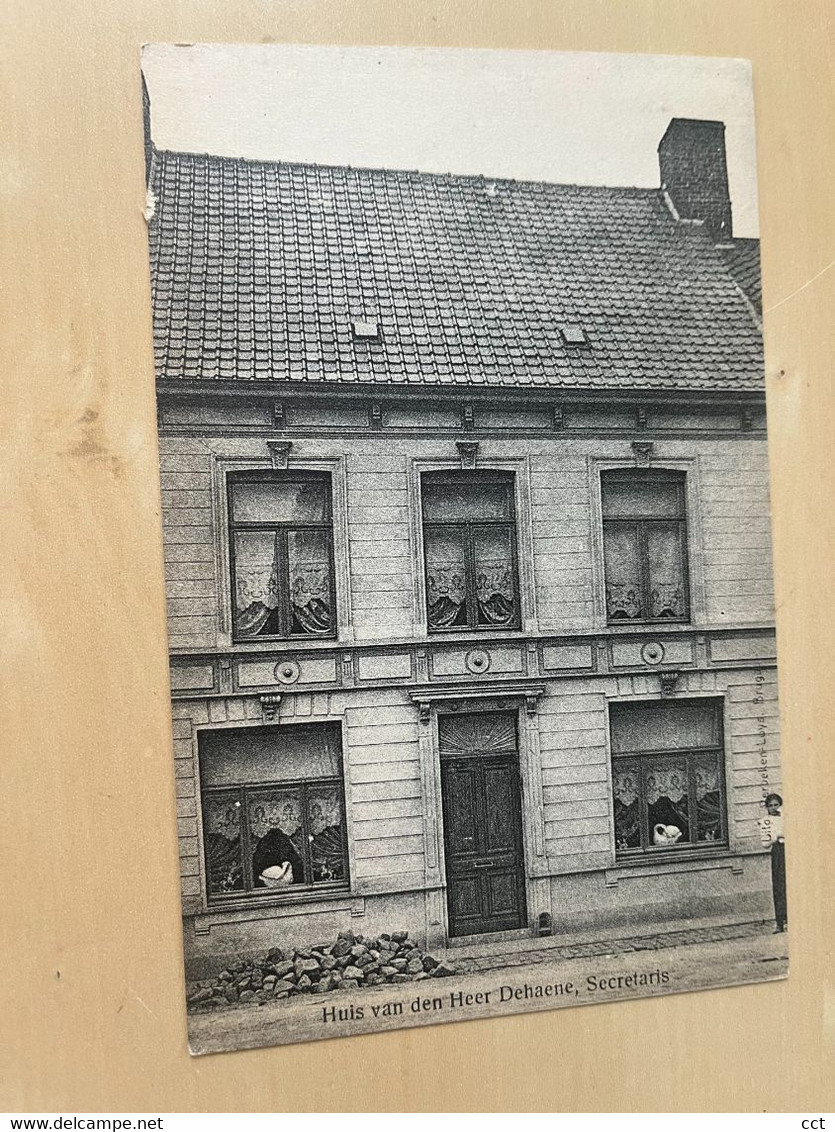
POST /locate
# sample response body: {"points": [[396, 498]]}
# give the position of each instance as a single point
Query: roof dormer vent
{"points": [[365, 329], [573, 334]]}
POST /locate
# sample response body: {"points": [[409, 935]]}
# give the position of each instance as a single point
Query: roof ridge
{"points": [[475, 178]]}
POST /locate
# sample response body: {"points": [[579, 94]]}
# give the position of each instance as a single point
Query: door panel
{"points": [[482, 826], [466, 899], [500, 831], [460, 796], [502, 893]]}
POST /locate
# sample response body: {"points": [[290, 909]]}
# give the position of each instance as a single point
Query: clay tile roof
{"points": [[743, 260], [262, 270]]}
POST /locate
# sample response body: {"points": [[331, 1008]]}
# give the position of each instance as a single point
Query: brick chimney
{"points": [[694, 173]]}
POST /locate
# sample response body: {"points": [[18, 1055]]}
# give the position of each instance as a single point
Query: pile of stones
{"points": [[351, 962]]}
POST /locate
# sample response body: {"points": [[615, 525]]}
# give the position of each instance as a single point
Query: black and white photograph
{"points": [[465, 502]]}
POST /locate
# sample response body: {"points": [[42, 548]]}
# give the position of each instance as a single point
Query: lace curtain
{"points": [[668, 802], [493, 559], [446, 573], [623, 601], [639, 556], [223, 844], [670, 782], [223, 816], [276, 811], [284, 811], [672, 798], [310, 581], [625, 786], [277, 832], [446, 587], [707, 779], [708, 800], [445, 594], [310, 595], [623, 572], [258, 581], [627, 819], [324, 807], [665, 570], [666, 600], [494, 591]]}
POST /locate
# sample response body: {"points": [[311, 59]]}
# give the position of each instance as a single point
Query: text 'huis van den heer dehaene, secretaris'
{"points": [[456, 1000], [467, 547]]}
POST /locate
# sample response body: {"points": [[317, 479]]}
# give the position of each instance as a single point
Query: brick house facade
{"points": [[465, 494]]}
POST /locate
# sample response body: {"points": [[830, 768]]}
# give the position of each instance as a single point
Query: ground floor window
{"points": [[667, 775], [273, 810]]}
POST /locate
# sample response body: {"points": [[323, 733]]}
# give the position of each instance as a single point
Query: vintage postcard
{"points": [[465, 491]]}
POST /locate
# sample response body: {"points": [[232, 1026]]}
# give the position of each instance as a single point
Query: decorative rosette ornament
{"points": [[286, 672], [652, 652], [477, 661]]}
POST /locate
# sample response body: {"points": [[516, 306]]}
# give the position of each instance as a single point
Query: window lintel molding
{"points": [[642, 451], [279, 453], [468, 454], [471, 695]]}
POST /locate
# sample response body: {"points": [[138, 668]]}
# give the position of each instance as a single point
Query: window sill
{"points": [[463, 634], [646, 859], [287, 642], [644, 628], [648, 623], [248, 902]]}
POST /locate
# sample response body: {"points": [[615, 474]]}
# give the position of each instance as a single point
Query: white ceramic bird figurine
{"points": [[665, 834], [278, 875]]}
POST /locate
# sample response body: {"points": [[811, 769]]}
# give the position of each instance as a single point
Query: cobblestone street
{"points": [[491, 985]]}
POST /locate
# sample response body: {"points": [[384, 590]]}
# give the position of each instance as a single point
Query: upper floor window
{"points": [[667, 775], [281, 541], [469, 539], [645, 545]]}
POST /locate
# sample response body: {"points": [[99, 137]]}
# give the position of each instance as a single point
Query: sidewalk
{"points": [[477, 956], [510, 985]]}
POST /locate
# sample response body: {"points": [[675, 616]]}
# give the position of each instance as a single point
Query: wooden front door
{"points": [[482, 822]]}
